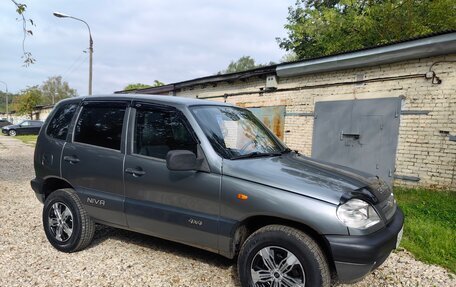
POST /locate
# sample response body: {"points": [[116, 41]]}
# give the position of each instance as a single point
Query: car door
{"points": [[93, 160], [25, 128], [177, 205], [35, 128]]}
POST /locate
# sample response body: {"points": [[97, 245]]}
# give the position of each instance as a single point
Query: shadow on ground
{"points": [[103, 233]]}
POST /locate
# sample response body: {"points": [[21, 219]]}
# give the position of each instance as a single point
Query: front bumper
{"points": [[355, 256], [5, 132]]}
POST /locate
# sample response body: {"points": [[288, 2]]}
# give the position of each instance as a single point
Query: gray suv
{"points": [[209, 175]]}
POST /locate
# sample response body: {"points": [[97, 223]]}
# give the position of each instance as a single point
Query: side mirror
{"points": [[181, 160]]}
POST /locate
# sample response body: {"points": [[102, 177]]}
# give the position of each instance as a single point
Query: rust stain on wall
{"points": [[273, 117]]}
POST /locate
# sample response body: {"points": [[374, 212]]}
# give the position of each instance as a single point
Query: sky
{"points": [[137, 41]]}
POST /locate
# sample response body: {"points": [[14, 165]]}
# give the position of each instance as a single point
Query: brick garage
{"points": [[421, 72]]}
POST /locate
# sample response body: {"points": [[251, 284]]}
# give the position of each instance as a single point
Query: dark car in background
{"points": [[4, 122], [27, 127]]}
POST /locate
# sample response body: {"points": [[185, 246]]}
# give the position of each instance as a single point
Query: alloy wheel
{"points": [[274, 266], [60, 219]]}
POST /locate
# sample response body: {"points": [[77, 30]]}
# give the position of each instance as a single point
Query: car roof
{"points": [[158, 99]]}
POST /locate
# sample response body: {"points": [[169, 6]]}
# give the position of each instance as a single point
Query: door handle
{"points": [[135, 172], [71, 159]]}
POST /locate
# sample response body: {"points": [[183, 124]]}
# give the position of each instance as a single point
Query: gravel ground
{"points": [[123, 258]]}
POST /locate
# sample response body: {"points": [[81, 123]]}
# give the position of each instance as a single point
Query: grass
{"points": [[430, 225], [27, 139]]}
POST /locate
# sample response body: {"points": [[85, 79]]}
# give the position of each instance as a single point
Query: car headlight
{"points": [[357, 213]]}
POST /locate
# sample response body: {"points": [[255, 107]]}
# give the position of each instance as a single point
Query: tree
{"points": [[20, 10], [242, 64], [157, 83], [320, 27], [27, 101], [3, 100], [55, 89], [138, 86]]}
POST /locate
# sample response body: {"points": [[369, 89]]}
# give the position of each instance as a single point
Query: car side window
{"points": [[58, 126], [159, 131], [25, 124], [100, 124]]}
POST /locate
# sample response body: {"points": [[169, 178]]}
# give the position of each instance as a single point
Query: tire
{"points": [[12, 133], [306, 266], [73, 229]]}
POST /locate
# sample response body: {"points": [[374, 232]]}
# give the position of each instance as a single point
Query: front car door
{"points": [[35, 127], [177, 205], [93, 160]]}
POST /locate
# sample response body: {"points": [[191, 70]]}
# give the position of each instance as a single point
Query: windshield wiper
{"points": [[285, 150], [256, 154]]}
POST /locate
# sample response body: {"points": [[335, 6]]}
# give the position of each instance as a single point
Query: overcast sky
{"points": [[138, 41]]}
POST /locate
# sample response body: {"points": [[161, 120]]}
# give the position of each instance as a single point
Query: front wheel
{"points": [[281, 256], [12, 133], [66, 223]]}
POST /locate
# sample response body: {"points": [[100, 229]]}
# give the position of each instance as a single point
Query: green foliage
{"points": [[21, 9], [27, 139], [27, 101], [321, 27], [157, 83], [137, 86], [244, 63], [3, 101], [430, 225], [55, 89]]}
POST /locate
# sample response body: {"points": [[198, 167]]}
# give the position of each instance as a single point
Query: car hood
{"points": [[299, 174]]}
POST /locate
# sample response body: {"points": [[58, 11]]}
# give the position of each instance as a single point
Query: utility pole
{"points": [[61, 15]]}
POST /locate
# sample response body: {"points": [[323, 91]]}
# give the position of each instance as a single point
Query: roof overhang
{"points": [[420, 48]]}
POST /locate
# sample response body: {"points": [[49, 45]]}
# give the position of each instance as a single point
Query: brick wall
{"points": [[424, 149]]}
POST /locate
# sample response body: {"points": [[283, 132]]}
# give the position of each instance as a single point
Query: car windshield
{"points": [[236, 133]]}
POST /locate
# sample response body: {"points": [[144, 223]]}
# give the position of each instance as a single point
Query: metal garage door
{"points": [[361, 134]]}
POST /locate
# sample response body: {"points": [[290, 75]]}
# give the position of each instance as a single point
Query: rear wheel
{"points": [[67, 225], [276, 256], [12, 133]]}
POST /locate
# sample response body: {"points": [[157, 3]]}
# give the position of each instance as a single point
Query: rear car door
{"points": [[93, 160], [25, 128], [178, 205]]}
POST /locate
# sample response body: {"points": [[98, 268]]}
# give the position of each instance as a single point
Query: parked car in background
{"points": [[4, 122], [24, 128], [210, 175]]}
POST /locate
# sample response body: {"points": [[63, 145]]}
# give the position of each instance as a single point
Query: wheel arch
{"points": [[251, 224], [52, 184]]}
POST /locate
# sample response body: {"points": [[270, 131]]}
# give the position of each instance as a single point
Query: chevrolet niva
{"points": [[209, 175]]}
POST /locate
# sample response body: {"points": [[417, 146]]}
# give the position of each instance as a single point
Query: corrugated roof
{"points": [[271, 69]]}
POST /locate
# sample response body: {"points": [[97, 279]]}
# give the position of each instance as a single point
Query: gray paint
{"points": [[362, 134], [427, 47]]}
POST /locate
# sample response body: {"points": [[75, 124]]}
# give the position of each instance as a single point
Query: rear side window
{"points": [[101, 125], [58, 126]]}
